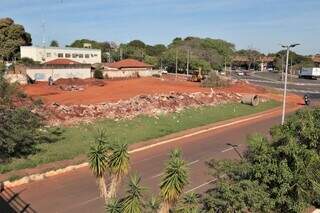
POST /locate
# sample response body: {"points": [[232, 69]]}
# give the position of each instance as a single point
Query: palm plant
{"points": [[118, 166], [132, 203], [113, 206], [173, 181], [98, 163], [153, 205], [189, 203]]}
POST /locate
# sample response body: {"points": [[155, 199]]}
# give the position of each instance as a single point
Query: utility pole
{"points": [[188, 62], [121, 53], [176, 63], [286, 80]]}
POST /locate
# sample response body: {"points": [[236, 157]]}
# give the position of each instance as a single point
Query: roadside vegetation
{"points": [[276, 175], [76, 140]]}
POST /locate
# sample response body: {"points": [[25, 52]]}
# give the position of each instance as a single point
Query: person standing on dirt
{"points": [[50, 81]]}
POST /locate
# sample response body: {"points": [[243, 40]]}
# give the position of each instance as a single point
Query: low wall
{"points": [[130, 74], [44, 74]]}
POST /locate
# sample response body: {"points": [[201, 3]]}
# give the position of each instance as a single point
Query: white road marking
{"points": [[229, 149], [202, 185]]}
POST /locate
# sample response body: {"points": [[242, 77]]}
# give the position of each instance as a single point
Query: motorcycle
{"points": [[307, 100]]}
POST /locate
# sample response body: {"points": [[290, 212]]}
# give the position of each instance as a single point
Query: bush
{"points": [[20, 132], [214, 80], [98, 74]]}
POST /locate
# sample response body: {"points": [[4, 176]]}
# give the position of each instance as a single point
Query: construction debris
{"points": [[151, 105]]}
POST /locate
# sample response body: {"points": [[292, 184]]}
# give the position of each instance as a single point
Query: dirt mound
{"points": [[151, 105]]}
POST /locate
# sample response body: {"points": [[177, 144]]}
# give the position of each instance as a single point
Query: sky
{"points": [[259, 24]]}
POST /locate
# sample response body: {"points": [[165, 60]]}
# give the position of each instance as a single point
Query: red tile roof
{"points": [[61, 61], [129, 63], [316, 58]]}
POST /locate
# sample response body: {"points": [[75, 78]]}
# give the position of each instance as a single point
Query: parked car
{"points": [[240, 73]]}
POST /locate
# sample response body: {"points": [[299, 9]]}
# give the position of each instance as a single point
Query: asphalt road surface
{"points": [[295, 85], [77, 191]]}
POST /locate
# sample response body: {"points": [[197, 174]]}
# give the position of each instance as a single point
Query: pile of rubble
{"points": [[152, 105]]}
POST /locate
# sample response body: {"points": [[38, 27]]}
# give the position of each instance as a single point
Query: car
{"points": [[222, 73], [164, 72], [240, 73]]}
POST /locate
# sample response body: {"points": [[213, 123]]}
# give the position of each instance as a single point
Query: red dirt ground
{"points": [[124, 89]]}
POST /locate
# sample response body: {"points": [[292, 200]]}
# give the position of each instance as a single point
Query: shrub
{"points": [[98, 74], [20, 132], [214, 80]]}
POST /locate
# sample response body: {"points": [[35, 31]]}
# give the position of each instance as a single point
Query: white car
{"points": [[164, 72], [240, 73]]}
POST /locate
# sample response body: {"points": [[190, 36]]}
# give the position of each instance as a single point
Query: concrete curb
{"points": [[36, 177]]}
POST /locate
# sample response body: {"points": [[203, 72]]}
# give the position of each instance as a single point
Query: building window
{"points": [[80, 55], [48, 55], [60, 55], [74, 55], [87, 55], [67, 55]]}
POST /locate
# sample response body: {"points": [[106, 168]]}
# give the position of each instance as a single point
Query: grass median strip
{"points": [[76, 140]]}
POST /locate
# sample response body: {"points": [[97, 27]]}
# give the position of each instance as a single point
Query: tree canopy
{"points": [[281, 175], [12, 36], [54, 43]]}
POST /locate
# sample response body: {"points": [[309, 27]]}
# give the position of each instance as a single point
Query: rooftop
{"points": [[61, 61], [129, 63]]}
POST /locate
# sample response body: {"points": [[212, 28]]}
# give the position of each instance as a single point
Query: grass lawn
{"points": [[77, 139]]}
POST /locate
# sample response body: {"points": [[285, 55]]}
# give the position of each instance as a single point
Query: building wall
{"points": [[130, 74], [81, 55], [39, 74]]}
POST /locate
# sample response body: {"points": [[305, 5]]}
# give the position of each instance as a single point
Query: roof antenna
{"points": [[43, 26]]}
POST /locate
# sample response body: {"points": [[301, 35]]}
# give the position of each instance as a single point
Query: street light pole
{"points": [[285, 81]]}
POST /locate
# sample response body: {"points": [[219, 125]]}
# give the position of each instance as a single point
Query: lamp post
{"points": [[287, 47]]}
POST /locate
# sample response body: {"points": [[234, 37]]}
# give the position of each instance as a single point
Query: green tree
{"points": [[98, 163], [137, 43], [282, 176], [173, 181], [113, 206], [54, 43], [153, 205], [132, 202], [190, 203], [12, 36], [118, 166]]}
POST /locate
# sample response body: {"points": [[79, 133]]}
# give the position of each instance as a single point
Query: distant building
{"points": [[59, 68], [316, 60], [129, 68], [45, 54]]}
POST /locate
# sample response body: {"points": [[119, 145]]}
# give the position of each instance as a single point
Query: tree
{"points": [[132, 203], [137, 43], [282, 176], [12, 36], [113, 206], [54, 43], [98, 163], [190, 203], [118, 166], [153, 205], [173, 181]]}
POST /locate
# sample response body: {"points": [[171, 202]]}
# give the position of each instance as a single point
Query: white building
{"points": [[45, 54]]}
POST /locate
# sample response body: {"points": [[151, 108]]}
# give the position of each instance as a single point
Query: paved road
{"points": [[77, 191], [298, 86]]}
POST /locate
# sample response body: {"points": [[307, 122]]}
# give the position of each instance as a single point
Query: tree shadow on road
{"points": [[10, 202]]}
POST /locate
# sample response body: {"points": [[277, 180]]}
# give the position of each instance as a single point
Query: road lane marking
{"points": [[202, 185], [189, 164], [229, 149]]}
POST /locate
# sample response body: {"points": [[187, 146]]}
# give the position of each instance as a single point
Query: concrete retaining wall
{"points": [[131, 73], [44, 74]]}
